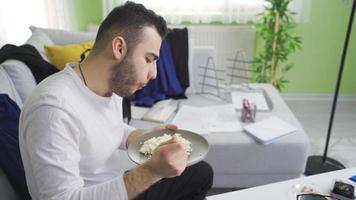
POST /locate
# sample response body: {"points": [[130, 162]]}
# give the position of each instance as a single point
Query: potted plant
{"points": [[276, 27]]}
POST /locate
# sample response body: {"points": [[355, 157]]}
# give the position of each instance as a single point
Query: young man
{"points": [[71, 126]]}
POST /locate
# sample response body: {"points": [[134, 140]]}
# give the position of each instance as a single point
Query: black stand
{"points": [[320, 164]]}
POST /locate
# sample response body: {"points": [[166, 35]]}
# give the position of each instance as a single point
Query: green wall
{"points": [[87, 12], [316, 65]]}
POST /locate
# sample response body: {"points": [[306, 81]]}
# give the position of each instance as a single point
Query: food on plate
{"points": [[151, 144]]}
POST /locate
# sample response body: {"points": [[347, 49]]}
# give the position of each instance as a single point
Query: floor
{"points": [[314, 115]]}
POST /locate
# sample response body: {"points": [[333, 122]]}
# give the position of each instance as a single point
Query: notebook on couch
{"points": [[270, 129]]}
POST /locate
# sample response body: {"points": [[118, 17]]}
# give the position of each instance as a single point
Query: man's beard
{"points": [[123, 79]]}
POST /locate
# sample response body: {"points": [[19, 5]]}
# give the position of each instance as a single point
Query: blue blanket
{"points": [[10, 158]]}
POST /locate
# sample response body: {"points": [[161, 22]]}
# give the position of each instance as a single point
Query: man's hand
{"points": [[168, 160]]}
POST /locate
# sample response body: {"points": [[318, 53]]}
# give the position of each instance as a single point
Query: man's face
{"points": [[138, 67]]}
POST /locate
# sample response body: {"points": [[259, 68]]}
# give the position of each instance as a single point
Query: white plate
{"points": [[199, 145]]}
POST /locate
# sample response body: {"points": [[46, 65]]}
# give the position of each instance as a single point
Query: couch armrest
{"points": [[7, 87], [21, 76]]}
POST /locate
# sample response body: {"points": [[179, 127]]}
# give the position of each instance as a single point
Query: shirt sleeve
{"points": [[127, 131], [51, 141]]}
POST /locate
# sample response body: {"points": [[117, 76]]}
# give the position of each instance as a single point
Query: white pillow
{"points": [[62, 37], [38, 39], [7, 87], [21, 77]]}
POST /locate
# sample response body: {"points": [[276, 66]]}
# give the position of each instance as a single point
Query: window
{"points": [[208, 11], [16, 16]]}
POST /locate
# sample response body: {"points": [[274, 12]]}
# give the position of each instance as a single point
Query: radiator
{"points": [[221, 43]]}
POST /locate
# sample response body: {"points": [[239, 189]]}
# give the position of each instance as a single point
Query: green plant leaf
{"points": [[287, 68], [286, 43], [281, 83]]}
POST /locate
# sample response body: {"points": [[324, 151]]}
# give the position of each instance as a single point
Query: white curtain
{"points": [[60, 14], [16, 16], [207, 11]]}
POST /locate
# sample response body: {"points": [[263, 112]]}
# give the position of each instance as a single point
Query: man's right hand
{"points": [[168, 160]]}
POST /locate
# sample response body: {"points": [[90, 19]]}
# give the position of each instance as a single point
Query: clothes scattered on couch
{"points": [[10, 157], [31, 57], [166, 83], [178, 40], [172, 71]]}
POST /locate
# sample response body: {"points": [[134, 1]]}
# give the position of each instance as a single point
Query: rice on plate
{"points": [[151, 144]]}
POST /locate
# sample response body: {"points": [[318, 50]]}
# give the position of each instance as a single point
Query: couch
{"points": [[238, 161]]}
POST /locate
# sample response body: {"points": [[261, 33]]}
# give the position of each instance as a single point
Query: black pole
{"points": [[318, 164], [336, 95]]}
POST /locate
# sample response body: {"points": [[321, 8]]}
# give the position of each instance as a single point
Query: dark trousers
{"points": [[193, 184]]}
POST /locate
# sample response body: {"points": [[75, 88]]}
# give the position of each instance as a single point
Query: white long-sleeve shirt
{"points": [[69, 139]]}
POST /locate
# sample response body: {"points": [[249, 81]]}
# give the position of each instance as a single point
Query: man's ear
{"points": [[119, 47]]}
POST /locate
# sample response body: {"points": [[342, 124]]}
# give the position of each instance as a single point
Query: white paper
{"points": [[226, 119], [254, 97], [192, 119], [210, 119], [225, 127]]}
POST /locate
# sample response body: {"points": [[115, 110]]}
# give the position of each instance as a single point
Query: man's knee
{"points": [[205, 171], [205, 168]]}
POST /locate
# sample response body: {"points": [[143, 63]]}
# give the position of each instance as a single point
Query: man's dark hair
{"points": [[128, 21]]}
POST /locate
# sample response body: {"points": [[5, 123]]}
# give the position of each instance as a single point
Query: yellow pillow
{"points": [[60, 55]]}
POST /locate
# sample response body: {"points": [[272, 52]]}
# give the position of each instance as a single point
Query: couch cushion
{"points": [[21, 77], [38, 39], [7, 87], [10, 157], [60, 55], [62, 37]]}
